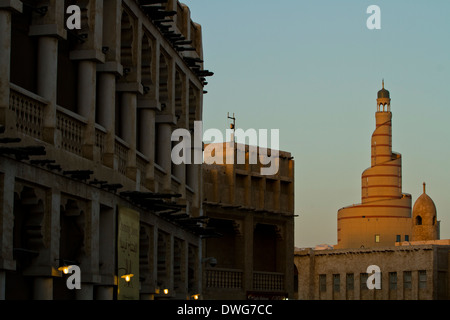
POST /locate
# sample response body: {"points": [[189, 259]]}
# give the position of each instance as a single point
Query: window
{"points": [[422, 279], [407, 280], [323, 282], [377, 238], [363, 281], [418, 220], [406, 237], [350, 281], [336, 282], [392, 280], [398, 238]]}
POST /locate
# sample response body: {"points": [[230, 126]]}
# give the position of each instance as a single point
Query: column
{"points": [[107, 253], [147, 130], [106, 115], [49, 29], [108, 71], [2, 285], [169, 264], [287, 245], [47, 73], [89, 264], [194, 174], [105, 293], [128, 120], [87, 79], [164, 146], [43, 288], [248, 253], [6, 7], [89, 53], [7, 181]]}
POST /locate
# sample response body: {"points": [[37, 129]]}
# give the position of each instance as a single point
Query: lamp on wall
{"points": [[65, 265], [127, 276]]}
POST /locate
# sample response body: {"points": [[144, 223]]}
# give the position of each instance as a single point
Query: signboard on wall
{"points": [[128, 254]]}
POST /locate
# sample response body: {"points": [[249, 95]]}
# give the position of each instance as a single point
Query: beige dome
{"points": [[424, 206]]}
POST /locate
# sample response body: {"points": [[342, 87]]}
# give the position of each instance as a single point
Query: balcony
{"points": [[29, 110], [219, 278]]}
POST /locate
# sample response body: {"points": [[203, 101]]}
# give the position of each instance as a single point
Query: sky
{"points": [[312, 69]]}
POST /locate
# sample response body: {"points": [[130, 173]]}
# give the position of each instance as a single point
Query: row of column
{"points": [[44, 268], [181, 250], [139, 113]]}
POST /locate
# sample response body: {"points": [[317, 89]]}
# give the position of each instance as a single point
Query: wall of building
{"points": [[103, 101], [255, 214], [421, 273]]}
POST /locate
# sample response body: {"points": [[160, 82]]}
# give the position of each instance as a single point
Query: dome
{"points": [[383, 93], [424, 206]]}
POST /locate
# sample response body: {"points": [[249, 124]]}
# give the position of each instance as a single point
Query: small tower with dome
{"points": [[425, 224]]}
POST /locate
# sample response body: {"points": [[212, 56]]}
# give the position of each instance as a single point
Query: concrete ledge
{"points": [[13, 5]]}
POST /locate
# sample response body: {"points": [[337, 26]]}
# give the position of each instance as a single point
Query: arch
{"points": [[163, 79], [179, 106], [146, 63], [418, 220], [126, 52], [193, 105]]}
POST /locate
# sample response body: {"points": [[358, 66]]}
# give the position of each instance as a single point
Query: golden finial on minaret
{"points": [[383, 83], [424, 185]]}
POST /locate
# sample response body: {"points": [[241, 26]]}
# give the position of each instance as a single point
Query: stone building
{"points": [[85, 156], [384, 215], [409, 272], [381, 231], [254, 214]]}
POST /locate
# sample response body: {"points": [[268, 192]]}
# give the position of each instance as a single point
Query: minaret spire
{"points": [[424, 185]]}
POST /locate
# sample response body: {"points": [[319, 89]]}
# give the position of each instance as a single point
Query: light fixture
{"points": [[127, 277], [64, 266], [166, 291], [64, 269], [195, 296]]}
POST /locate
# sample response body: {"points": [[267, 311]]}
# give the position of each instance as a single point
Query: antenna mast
{"points": [[233, 125]]}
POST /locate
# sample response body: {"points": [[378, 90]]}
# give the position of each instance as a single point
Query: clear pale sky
{"points": [[312, 69]]}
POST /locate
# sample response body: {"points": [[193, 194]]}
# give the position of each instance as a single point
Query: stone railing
{"points": [[100, 139], [121, 150], [268, 281], [141, 164], [29, 110], [72, 127], [224, 278]]}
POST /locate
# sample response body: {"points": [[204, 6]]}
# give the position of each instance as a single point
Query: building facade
{"points": [[380, 234], [384, 215], [87, 116], [254, 214], [409, 272]]}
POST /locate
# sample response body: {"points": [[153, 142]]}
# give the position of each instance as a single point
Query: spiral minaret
{"points": [[384, 214]]}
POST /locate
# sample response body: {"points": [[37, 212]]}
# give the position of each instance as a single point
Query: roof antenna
{"points": [[233, 125]]}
